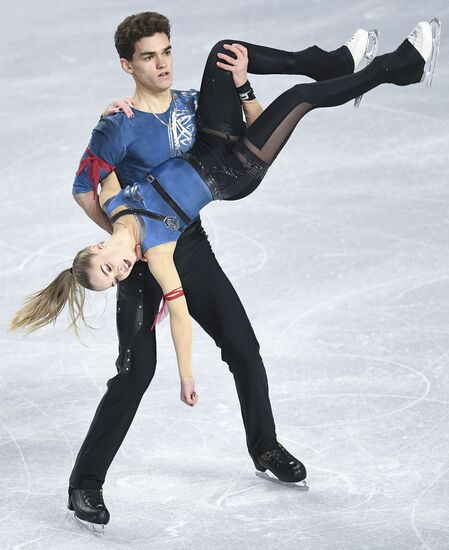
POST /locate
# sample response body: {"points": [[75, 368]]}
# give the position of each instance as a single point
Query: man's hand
{"points": [[139, 254], [238, 67], [119, 105], [188, 394]]}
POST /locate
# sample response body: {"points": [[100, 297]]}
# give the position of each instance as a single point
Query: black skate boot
{"points": [[283, 465], [89, 508]]}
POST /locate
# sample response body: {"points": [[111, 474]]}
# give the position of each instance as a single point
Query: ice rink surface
{"points": [[340, 258]]}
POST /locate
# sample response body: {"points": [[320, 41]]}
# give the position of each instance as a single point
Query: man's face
{"points": [[109, 265], [151, 65]]}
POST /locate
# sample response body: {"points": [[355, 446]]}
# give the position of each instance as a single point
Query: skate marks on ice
{"points": [[21, 495], [225, 240], [429, 524], [274, 510], [358, 371]]}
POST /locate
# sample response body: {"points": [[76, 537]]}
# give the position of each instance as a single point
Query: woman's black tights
{"points": [[220, 108], [246, 161]]}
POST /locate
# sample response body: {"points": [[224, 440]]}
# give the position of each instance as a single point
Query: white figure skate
{"points": [[363, 47], [425, 37]]}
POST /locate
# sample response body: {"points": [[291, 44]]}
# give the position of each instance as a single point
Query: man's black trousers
{"points": [[214, 304]]}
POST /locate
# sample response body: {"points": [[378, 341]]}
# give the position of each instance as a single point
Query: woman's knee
{"points": [[218, 47]]}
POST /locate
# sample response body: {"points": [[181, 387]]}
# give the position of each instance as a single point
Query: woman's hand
{"points": [[238, 67], [118, 105], [188, 394]]}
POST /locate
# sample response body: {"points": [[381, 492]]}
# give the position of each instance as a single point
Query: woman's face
{"points": [[110, 263]]}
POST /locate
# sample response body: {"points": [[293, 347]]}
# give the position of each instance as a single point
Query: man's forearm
{"points": [[93, 209]]}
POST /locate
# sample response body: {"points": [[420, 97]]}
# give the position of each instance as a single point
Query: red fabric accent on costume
{"points": [[94, 163], [163, 309]]}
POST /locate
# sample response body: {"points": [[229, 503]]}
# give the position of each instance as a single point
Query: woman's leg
{"points": [[219, 108], [263, 141], [312, 62], [402, 67]]}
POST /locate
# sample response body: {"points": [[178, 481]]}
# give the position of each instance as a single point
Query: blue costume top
{"points": [[133, 146], [182, 184]]}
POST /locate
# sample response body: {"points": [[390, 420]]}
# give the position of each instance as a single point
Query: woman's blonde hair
{"points": [[44, 306]]}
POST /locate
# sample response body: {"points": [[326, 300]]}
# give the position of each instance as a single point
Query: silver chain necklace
{"points": [[172, 115]]}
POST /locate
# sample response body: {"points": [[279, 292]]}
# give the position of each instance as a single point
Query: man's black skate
{"points": [[89, 508], [283, 465]]}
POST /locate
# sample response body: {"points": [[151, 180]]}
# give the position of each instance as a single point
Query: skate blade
{"points": [[95, 528], [297, 486], [435, 25], [370, 54]]}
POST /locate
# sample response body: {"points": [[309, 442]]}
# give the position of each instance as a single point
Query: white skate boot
{"points": [[425, 37], [363, 47]]}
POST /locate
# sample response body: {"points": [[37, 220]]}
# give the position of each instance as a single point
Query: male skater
{"points": [[163, 125]]}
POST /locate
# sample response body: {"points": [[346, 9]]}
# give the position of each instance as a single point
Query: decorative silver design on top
{"points": [[172, 223], [133, 192], [182, 124]]}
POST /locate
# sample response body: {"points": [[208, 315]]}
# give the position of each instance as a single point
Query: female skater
{"points": [[224, 164]]}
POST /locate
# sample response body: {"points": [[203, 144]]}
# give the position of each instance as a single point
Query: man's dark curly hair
{"points": [[138, 26]]}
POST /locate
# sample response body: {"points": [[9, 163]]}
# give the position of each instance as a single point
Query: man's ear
{"points": [[126, 65]]}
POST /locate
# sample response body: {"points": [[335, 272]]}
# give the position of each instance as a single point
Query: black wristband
{"points": [[246, 92]]}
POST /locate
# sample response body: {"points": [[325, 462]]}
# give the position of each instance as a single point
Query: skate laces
{"points": [[350, 43], [281, 457], [275, 457], [94, 498], [415, 38]]}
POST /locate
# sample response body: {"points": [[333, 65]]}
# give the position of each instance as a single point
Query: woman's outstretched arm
{"points": [[162, 266]]}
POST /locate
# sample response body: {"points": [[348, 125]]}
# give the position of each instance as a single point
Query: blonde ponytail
{"points": [[44, 306]]}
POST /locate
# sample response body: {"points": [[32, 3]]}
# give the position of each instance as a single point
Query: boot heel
{"points": [[258, 466]]}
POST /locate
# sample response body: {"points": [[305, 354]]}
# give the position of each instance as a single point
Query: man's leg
{"points": [[138, 300], [214, 304]]}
